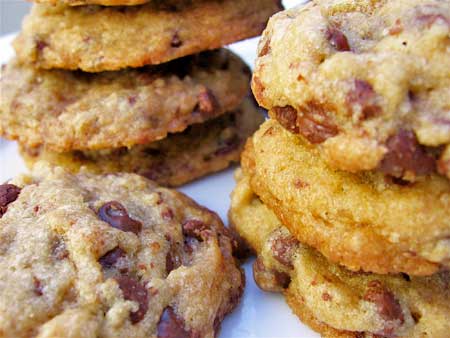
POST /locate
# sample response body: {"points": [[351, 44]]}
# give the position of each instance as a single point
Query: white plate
{"points": [[259, 314]]}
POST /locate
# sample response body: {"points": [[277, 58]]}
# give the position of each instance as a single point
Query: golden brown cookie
{"points": [[111, 256], [331, 299], [368, 81], [96, 38], [179, 158], [362, 221], [66, 110]]}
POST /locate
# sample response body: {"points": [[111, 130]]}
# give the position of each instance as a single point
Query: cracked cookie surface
{"points": [[111, 38], [111, 256], [179, 158], [362, 221], [329, 298], [367, 81], [65, 110]]}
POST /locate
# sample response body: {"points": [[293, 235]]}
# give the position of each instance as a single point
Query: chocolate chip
{"points": [[173, 261], [136, 292], [171, 326], [176, 41], [207, 103], [406, 155], [40, 45], [8, 194], [387, 305], [337, 39], [110, 258], [283, 248], [269, 279], [194, 228], [227, 145], [363, 98], [287, 117], [116, 215], [314, 124], [37, 287]]}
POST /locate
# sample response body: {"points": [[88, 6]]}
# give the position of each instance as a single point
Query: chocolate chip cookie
{"points": [[98, 38], [363, 221], [111, 256], [66, 110], [368, 82], [332, 300], [179, 158]]}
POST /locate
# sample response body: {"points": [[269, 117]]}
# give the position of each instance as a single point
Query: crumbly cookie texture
{"points": [[331, 299], [368, 81], [199, 150], [93, 2], [66, 110], [96, 38], [362, 221], [111, 256]]}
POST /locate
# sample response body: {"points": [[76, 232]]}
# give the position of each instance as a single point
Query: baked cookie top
{"points": [[368, 81], [201, 149], [362, 221], [96, 38], [66, 110], [331, 299], [111, 256]]}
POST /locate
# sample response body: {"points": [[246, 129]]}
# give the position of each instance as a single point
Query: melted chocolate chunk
{"points": [[117, 216], [136, 292], [8, 194], [171, 326]]}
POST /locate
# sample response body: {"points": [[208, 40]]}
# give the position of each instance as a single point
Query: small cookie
{"points": [[95, 38], [362, 221], [332, 300], [199, 150], [368, 81], [66, 110], [111, 256]]}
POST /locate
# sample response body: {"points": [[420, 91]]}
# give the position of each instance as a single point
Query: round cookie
{"points": [[367, 81], [111, 256], [331, 299], [363, 221], [179, 158], [111, 38], [66, 110]]}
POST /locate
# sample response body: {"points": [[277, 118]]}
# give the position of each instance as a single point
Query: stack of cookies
{"points": [[344, 194], [131, 85]]}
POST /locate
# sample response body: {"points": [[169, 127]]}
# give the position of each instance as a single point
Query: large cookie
{"points": [[95, 38], [331, 299], [368, 81], [363, 221], [66, 110], [182, 157], [111, 256]]}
